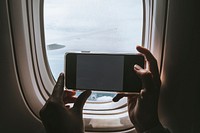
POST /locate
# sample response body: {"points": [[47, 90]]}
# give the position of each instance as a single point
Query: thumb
{"points": [[78, 105]]}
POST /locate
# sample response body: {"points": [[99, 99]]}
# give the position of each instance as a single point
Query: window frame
{"points": [[104, 105], [33, 71]]}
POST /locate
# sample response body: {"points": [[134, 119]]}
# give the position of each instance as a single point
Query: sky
{"points": [[91, 25]]}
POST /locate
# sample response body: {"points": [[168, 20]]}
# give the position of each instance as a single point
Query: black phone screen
{"points": [[100, 72], [103, 72]]}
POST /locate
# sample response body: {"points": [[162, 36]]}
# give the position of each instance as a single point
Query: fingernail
{"points": [[88, 92], [138, 46], [137, 67], [61, 74], [115, 99]]}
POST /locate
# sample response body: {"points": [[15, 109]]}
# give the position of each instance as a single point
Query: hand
{"points": [[58, 118], [142, 108]]}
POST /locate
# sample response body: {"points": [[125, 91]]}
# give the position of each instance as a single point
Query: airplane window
{"points": [[110, 26], [91, 25]]}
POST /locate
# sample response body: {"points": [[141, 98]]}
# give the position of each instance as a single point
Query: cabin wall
{"points": [[180, 93], [14, 115], [179, 104]]}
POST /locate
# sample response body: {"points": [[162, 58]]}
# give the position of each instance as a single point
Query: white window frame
{"points": [[34, 73]]}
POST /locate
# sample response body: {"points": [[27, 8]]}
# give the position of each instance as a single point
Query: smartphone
{"points": [[103, 72]]}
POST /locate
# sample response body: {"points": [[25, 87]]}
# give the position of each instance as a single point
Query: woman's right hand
{"points": [[143, 108]]}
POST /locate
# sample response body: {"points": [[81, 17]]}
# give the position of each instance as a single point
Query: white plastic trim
{"points": [[33, 70], [159, 21], [23, 55]]}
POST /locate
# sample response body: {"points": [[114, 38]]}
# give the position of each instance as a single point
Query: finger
{"points": [[120, 96], [68, 96], [80, 101], [59, 87], [147, 54], [69, 100], [152, 64], [68, 93], [153, 67], [145, 76]]}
